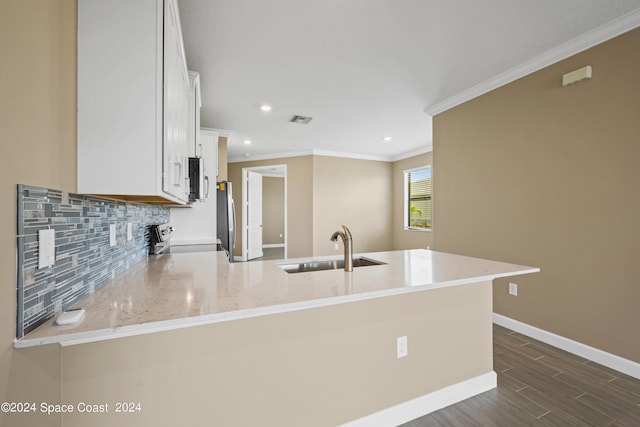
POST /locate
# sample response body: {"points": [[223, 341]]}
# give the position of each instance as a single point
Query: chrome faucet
{"points": [[348, 247]]}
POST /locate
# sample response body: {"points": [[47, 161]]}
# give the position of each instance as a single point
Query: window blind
{"points": [[419, 198]]}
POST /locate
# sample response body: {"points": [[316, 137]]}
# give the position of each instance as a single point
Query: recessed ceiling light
{"points": [[387, 138], [265, 108], [247, 141], [247, 154]]}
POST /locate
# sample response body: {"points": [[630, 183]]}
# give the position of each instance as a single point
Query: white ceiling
{"points": [[363, 69]]}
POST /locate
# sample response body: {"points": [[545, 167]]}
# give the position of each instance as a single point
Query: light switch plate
{"points": [[129, 232], [402, 347], [112, 234], [46, 248]]}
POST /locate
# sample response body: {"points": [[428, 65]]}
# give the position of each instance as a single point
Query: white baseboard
{"points": [[416, 408], [273, 245], [612, 361]]}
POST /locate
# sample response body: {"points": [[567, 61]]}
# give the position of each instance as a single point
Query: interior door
{"points": [[254, 215]]}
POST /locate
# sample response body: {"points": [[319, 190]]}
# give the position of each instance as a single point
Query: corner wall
{"points": [[38, 122], [299, 231], [356, 193], [273, 210], [539, 174]]}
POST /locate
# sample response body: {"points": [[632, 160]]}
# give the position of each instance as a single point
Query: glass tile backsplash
{"points": [[84, 259]]}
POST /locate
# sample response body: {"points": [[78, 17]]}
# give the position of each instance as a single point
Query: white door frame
{"points": [[245, 195]]}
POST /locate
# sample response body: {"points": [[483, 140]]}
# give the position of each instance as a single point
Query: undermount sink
{"points": [[336, 264]]}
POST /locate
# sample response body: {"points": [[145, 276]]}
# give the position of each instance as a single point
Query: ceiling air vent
{"points": [[300, 119]]}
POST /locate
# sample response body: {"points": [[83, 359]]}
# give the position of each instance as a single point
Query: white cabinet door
{"points": [[176, 107], [195, 146], [133, 95]]}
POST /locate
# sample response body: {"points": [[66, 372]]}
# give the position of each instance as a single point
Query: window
{"points": [[417, 199]]}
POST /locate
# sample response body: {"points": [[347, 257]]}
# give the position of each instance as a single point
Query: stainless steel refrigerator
{"points": [[226, 218]]}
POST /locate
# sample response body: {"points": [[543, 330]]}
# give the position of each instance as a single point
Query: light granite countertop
{"points": [[187, 289]]}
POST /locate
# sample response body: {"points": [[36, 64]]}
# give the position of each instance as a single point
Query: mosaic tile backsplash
{"points": [[84, 260]]}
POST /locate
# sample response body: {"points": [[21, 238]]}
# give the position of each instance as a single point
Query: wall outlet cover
{"points": [[112, 234], [402, 347], [46, 248], [513, 289]]}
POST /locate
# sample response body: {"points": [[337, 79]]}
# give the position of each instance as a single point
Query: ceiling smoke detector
{"points": [[302, 120]]}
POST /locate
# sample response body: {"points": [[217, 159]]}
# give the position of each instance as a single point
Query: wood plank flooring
{"points": [[541, 385]]}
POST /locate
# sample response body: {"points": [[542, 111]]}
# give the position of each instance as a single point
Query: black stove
{"points": [[160, 234]]}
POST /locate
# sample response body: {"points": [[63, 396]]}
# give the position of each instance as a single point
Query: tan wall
{"points": [[317, 367], [38, 122], [223, 174], [272, 210], [356, 193], [299, 200], [540, 174], [407, 239]]}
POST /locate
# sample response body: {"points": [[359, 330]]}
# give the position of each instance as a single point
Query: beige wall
{"points": [[272, 210], [356, 193], [299, 199], [38, 122], [317, 367], [325, 192], [407, 239], [223, 174], [540, 174]]}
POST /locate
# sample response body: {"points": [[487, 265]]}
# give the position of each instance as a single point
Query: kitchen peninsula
{"points": [[254, 344]]}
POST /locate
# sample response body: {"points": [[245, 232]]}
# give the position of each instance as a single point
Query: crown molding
{"points": [[587, 40], [327, 153], [413, 153], [221, 132], [269, 156]]}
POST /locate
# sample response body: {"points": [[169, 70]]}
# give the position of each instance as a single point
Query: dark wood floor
{"points": [[541, 385]]}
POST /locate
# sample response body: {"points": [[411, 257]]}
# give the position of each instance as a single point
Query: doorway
{"points": [[264, 212]]}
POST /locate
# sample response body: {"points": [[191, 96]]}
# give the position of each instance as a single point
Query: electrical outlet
{"points": [[46, 248], [129, 232], [112, 234], [513, 289], [335, 246], [402, 347]]}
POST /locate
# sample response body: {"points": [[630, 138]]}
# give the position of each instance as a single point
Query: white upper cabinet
{"points": [[195, 146], [133, 101]]}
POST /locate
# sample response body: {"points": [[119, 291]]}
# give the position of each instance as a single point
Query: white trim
{"points": [[272, 175], [583, 42], [412, 409], [328, 153], [612, 361], [271, 156], [244, 248], [413, 153], [221, 132], [273, 245]]}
